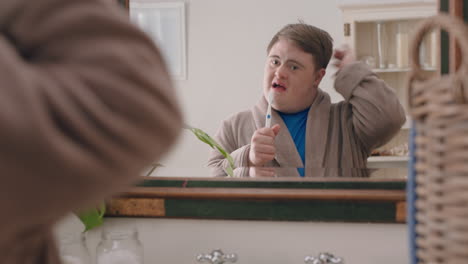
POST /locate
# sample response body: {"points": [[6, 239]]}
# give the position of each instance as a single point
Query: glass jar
{"points": [[402, 45], [73, 250], [381, 44], [119, 246]]}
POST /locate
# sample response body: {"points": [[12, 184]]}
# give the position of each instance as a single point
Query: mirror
{"points": [[224, 48]]}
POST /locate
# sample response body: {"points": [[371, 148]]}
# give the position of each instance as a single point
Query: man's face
{"points": [[290, 73]]}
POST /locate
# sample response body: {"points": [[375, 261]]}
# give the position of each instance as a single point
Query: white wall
{"points": [[168, 241], [226, 51]]}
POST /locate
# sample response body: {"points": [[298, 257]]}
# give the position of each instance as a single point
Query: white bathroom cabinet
{"points": [[167, 241], [360, 220]]}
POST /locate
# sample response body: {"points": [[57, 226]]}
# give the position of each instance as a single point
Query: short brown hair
{"points": [[310, 39]]}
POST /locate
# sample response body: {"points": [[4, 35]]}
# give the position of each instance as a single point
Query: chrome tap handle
{"points": [[324, 258], [217, 257]]}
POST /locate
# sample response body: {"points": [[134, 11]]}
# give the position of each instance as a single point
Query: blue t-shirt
{"points": [[297, 124]]}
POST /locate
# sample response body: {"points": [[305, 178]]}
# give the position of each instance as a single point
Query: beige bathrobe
{"points": [[339, 137], [85, 104]]}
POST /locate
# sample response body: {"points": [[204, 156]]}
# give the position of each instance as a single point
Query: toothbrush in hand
{"points": [[268, 114]]}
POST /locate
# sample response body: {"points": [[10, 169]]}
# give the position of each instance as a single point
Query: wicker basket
{"points": [[440, 112]]}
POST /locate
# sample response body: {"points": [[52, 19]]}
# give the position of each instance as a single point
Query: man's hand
{"points": [[262, 146], [343, 57]]}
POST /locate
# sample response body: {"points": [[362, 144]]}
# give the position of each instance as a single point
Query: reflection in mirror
{"points": [[233, 64]]}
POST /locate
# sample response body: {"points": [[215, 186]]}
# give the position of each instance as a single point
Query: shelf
{"points": [[387, 162], [388, 159], [396, 70]]}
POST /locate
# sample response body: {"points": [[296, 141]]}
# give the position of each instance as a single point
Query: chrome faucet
{"points": [[324, 258], [217, 257]]}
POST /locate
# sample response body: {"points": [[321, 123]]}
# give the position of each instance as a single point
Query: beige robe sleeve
{"points": [[85, 104], [376, 113]]}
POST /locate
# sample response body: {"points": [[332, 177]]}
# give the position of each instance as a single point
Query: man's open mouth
{"points": [[278, 87]]}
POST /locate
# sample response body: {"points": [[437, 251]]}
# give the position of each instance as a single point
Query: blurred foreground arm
{"points": [[85, 104]]}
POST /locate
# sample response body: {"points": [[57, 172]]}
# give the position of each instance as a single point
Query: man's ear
{"points": [[319, 76]]}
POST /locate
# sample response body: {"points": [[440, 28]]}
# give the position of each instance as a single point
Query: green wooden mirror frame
{"points": [[316, 199]]}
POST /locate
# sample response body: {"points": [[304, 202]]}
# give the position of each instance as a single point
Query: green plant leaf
{"points": [[93, 217], [204, 137]]}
